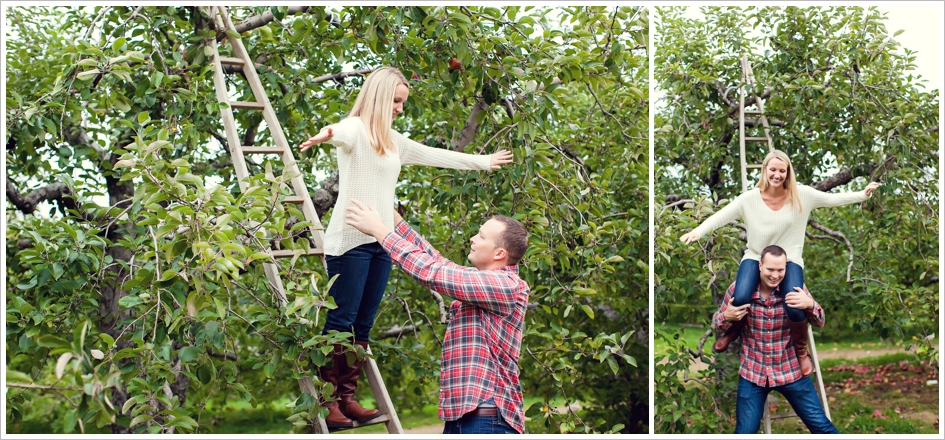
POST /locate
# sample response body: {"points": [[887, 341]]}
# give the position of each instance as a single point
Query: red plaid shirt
{"points": [[768, 357], [484, 335]]}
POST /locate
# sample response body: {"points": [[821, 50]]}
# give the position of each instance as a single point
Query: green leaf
{"points": [[613, 364], [140, 419], [51, 341], [14, 376], [69, 421], [188, 353], [588, 310], [87, 75], [129, 301]]}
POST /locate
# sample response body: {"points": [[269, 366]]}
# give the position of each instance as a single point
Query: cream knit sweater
{"points": [[784, 227], [370, 179]]}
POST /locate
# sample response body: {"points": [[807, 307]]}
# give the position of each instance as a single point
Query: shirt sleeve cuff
{"points": [[401, 227], [389, 241]]}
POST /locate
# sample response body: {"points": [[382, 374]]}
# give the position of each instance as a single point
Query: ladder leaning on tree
{"points": [[746, 87], [301, 197]]}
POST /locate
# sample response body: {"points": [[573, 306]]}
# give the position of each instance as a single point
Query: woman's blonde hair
{"points": [[375, 106], [790, 183]]}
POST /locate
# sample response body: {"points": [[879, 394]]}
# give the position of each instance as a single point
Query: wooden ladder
{"points": [[301, 197], [748, 87]]}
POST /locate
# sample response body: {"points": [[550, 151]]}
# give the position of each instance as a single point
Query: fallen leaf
{"points": [[878, 415]]}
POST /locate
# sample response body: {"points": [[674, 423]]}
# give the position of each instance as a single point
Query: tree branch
{"points": [[338, 77], [838, 234], [58, 191], [324, 197], [397, 331], [468, 132], [266, 18]]}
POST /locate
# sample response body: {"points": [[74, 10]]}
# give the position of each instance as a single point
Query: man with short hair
{"points": [[768, 360], [479, 388]]}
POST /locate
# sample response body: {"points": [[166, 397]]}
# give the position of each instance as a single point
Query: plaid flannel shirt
{"points": [[484, 335], [768, 358]]}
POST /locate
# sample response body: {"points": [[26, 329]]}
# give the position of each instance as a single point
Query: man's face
{"points": [[772, 270], [483, 251]]}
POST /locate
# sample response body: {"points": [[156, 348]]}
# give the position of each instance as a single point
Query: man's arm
{"points": [[403, 229], [493, 290], [802, 299]]}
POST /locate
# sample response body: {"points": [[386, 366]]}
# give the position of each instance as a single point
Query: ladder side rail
{"points": [[741, 129], [381, 397], [307, 386], [229, 122], [820, 377], [278, 136], [239, 160], [761, 105]]}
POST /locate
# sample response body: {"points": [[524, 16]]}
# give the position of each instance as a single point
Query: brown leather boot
{"points": [[721, 344], [799, 338], [332, 374], [348, 385]]}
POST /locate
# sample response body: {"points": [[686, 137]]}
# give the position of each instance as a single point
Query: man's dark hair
{"points": [[774, 250], [514, 239]]}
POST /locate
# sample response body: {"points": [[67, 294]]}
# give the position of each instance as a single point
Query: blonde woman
{"points": [[370, 155], [775, 212]]}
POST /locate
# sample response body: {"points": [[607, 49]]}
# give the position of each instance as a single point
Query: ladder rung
{"points": [[752, 112], [288, 253], [298, 200], [247, 105], [782, 416], [753, 167], [232, 61], [383, 418], [756, 139], [262, 150]]}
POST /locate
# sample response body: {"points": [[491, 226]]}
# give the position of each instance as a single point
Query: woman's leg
{"points": [[374, 287], [746, 283], [352, 269], [797, 319], [793, 277], [375, 284]]}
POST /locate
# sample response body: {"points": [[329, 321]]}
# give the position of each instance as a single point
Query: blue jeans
{"points": [[363, 273], [749, 409], [749, 277], [468, 424]]}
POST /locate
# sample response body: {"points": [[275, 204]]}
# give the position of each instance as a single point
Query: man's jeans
{"points": [[749, 277], [469, 424], [363, 273], [749, 409]]}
